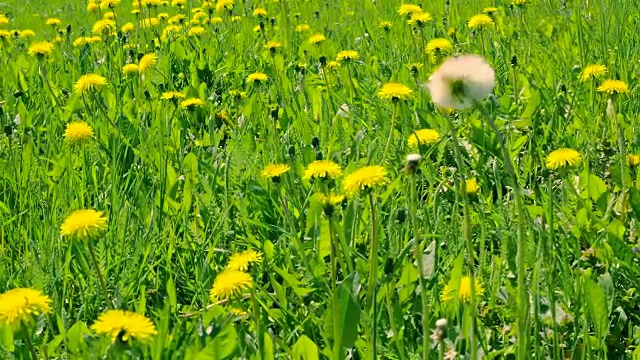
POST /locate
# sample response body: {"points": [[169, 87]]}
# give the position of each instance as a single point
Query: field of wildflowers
{"points": [[311, 179]]}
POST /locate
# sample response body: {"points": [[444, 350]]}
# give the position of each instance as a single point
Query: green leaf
{"points": [[348, 314], [221, 347], [171, 291], [305, 349], [75, 336], [597, 304]]}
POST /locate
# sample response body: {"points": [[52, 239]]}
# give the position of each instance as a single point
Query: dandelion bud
{"points": [[413, 160], [319, 155], [68, 29], [323, 60], [273, 21], [275, 109], [401, 216], [8, 130], [292, 151], [315, 142], [261, 25], [514, 61], [316, 14]]}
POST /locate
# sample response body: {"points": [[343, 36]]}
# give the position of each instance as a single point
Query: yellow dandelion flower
{"points": [[80, 41], [480, 21], [519, 2], [331, 199], [347, 55], [613, 87], [409, 9], [224, 5], [104, 26], [217, 20], [109, 15], [124, 325], [490, 10], [41, 49], [272, 45], [149, 22], [257, 78], [53, 22], [302, 28], [423, 137], [172, 95], [562, 158], [84, 224], [162, 16], [332, 65], [420, 18], [178, 19], [633, 160], [394, 91], [260, 12], [78, 131], [237, 94], [130, 69], [94, 39], [594, 71], [230, 283], [317, 39], [243, 260], [3, 20], [127, 28], [463, 293], [236, 18], [196, 31], [26, 34], [322, 169], [4, 34], [108, 4], [439, 46], [385, 25], [147, 62], [275, 170], [20, 305], [89, 82], [471, 186], [92, 7], [365, 178], [192, 103], [178, 3]]}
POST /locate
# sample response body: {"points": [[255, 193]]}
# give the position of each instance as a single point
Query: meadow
{"points": [[311, 179]]}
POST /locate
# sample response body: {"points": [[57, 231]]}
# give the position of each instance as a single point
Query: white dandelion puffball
{"points": [[461, 81]]}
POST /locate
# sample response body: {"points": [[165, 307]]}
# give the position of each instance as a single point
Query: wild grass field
{"points": [[311, 179]]}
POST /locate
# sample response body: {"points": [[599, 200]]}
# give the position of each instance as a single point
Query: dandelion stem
{"points": [[523, 299], [394, 114], [550, 256], [27, 338], [417, 253], [256, 315], [462, 185], [373, 270], [103, 285]]}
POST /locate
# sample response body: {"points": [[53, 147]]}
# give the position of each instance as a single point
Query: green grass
{"points": [[183, 189]]}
